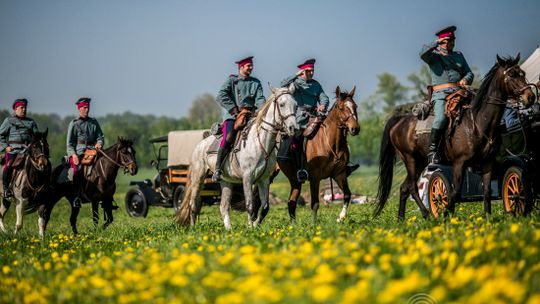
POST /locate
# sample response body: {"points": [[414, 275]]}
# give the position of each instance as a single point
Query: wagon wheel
{"points": [[178, 197], [516, 193], [136, 204], [438, 193]]}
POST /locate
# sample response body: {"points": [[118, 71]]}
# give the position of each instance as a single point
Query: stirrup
{"points": [[216, 177], [302, 175], [351, 168], [433, 160]]}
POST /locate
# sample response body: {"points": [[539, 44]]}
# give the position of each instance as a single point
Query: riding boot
{"points": [[6, 179], [434, 143], [222, 152], [77, 202], [301, 175]]}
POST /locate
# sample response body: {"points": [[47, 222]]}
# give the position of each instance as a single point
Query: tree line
{"points": [[373, 111]]}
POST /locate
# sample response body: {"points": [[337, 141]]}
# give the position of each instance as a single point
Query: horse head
{"points": [[126, 155], [346, 107], [283, 111], [38, 150], [514, 81]]}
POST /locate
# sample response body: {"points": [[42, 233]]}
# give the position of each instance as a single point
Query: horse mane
{"points": [[486, 82], [264, 109]]}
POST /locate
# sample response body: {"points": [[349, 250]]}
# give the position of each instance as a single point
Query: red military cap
{"points": [[83, 102], [447, 32], [244, 61], [19, 102], [308, 64]]}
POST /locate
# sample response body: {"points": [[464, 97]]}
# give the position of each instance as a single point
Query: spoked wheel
{"points": [[438, 193], [516, 193], [136, 205]]}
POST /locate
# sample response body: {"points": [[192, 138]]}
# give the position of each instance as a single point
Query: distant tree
{"points": [[391, 91], [420, 80], [204, 111]]}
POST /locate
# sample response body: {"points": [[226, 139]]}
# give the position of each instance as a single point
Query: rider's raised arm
{"points": [[287, 81], [427, 51]]}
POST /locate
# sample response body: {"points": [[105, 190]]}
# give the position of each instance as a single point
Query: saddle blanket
{"points": [[424, 126]]}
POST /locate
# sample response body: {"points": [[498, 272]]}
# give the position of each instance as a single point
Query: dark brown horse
{"points": [[327, 155], [29, 183], [99, 185], [473, 142]]}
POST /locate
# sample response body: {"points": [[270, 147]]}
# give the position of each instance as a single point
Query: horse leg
{"points": [[4, 206], [264, 192], [455, 186], [225, 204], [73, 218], [42, 222], [107, 212], [19, 208], [314, 189], [248, 196], [296, 188], [343, 184], [486, 179], [198, 174]]}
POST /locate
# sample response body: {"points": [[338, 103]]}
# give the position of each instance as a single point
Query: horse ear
{"points": [[272, 88], [518, 57], [500, 60], [351, 93], [46, 132], [338, 92]]}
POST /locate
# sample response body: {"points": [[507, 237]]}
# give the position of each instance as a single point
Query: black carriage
{"points": [[515, 176], [166, 188]]}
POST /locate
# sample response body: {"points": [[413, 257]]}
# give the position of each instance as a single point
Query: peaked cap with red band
{"points": [[308, 64], [244, 61], [447, 32], [19, 102], [83, 102]]}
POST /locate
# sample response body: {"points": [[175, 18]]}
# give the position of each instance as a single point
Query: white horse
{"points": [[29, 184], [252, 164]]}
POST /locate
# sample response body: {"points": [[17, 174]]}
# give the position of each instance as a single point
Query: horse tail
{"points": [[387, 156], [183, 215]]}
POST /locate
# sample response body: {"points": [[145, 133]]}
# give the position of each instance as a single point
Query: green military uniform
{"points": [[240, 92], [16, 132], [83, 134], [444, 68], [308, 94]]}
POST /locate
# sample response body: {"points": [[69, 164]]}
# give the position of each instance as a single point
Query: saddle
{"points": [[455, 105], [242, 119], [89, 157], [313, 126], [241, 137]]}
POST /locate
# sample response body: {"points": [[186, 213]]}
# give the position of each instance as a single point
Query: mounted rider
{"points": [[83, 133], [16, 132], [449, 71], [312, 101], [240, 96]]}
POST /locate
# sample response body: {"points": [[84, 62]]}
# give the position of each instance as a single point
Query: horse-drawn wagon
{"points": [[515, 179], [166, 188]]}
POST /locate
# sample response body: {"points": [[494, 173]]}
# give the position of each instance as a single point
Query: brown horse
{"points": [[473, 142], [327, 155], [98, 186]]}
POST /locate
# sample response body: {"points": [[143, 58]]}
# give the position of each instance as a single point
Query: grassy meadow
{"points": [[466, 258]]}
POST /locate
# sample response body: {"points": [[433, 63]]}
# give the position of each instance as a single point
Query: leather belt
{"points": [[18, 142], [83, 142], [445, 86]]}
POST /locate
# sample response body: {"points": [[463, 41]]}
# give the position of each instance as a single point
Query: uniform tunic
{"points": [[444, 68], [15, 132], [247, 93], [83, 134], [308, 95]]}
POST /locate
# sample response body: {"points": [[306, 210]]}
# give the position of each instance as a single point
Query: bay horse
{"points": [[98, 186], [327, 155], [473, 142], [29, 183], [250, 165]]}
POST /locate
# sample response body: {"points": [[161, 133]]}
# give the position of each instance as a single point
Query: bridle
{"points": [[514, 95], [278, 127], [123, 164], [33, 158]]}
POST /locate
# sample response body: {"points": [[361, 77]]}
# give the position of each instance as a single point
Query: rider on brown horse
{"points": [[449, 71], [240, 96], [15, 134], [84, 133]]}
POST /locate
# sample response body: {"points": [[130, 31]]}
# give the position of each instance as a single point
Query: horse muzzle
{"points": [[354, 131], [132, 169]]}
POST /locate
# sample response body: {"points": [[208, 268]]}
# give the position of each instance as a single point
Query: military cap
{"points": [[447, 32], [244, 61], [19, 102], [308, 64], [83, 102]]}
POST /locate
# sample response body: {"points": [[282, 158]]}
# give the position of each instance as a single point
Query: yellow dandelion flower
{"points": [[323, 293]]}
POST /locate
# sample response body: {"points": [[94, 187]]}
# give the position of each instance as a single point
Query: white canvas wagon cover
{"points": [[181, 145]]}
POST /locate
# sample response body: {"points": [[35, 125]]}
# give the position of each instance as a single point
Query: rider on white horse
{"points": [[240, 96], [15, 133]]}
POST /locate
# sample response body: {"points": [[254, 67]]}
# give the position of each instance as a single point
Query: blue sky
{"points": [[155, 57]]}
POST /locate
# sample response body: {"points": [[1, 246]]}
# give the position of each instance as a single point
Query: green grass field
{"points": [[363, 260]]}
